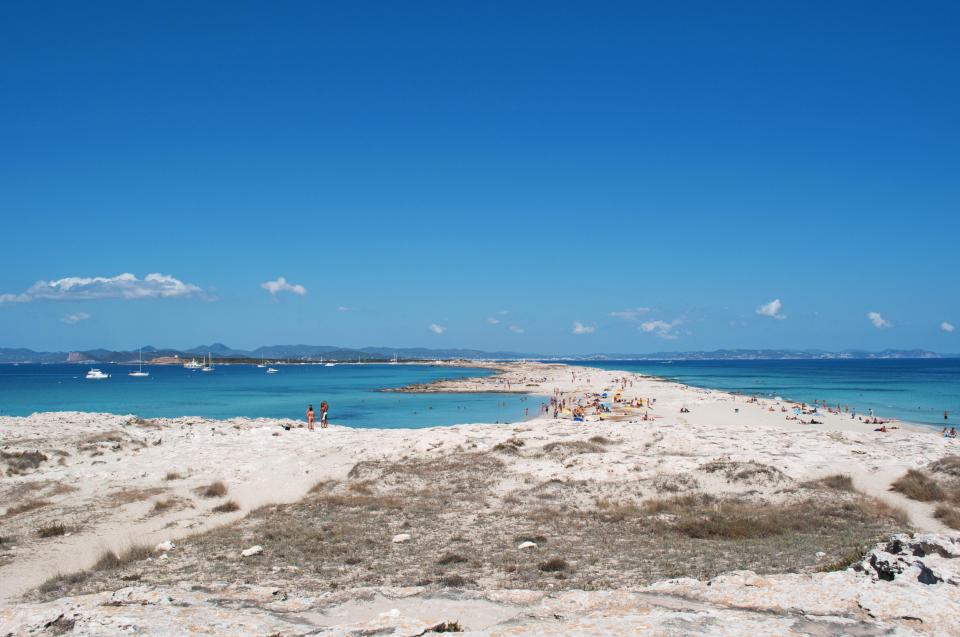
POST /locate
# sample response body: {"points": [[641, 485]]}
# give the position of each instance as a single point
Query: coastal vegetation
{"points": [[940, 484], [467, 514]]}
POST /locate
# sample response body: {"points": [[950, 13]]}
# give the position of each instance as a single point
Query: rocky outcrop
{"points": [[909, 585]]}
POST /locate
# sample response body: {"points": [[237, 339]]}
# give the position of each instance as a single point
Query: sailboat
{"points": [[140, 373], [208, 364], [193, 364], [394, 361]]}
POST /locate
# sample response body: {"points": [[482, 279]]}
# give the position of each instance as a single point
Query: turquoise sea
{"points": [[246, 390], [914, 390]]}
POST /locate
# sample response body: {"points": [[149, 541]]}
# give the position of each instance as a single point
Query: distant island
{"points": [[315, 353]]}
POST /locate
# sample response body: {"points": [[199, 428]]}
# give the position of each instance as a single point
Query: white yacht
{"points": [[96, 374], [193, 364], [208, 364], [139, 373], [271, 370]]}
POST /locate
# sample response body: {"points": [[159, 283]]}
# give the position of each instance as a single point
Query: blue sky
{"points": [[654, 174]]}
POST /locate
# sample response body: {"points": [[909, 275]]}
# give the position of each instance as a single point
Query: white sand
{"points": [[261, 463]]}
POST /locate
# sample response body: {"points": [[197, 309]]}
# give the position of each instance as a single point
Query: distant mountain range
{"points": [[334, 353]]}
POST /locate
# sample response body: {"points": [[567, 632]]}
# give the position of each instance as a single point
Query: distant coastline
{"points": [[326, 353]]}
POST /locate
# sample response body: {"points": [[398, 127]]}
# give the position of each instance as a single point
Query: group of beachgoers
{"points": [[601, 403], [597, 403]]}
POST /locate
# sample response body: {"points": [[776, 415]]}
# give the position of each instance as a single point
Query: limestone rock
{"points": [[527, 545], [399, 538], [253, 550], [164, 546]]}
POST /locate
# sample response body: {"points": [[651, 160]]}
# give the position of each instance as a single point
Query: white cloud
{"points": [[70, 319], [493, 321], [946, 327], [663, 329], [282, 285], [436, 329], [122, 286], [772, 309], [580, 328], [344, 308], [516, 329], [878, 320], [503, 312], [630, 314]]}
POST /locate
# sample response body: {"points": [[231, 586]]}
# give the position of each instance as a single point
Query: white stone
{"points": [[527, 545], [401, 537], [253, 550], [164, 546]]}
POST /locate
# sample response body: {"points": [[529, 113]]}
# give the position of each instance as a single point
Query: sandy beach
{"points": [[603, 494]]}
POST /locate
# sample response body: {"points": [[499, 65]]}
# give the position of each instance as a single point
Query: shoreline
{"points": [[500, 367], [783, 396]]}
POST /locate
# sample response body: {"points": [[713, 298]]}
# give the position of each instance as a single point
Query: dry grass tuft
{"points": [[110, 560], [29, 505], [750, 472], [22, 462], [322, 486], [917, 485], [601, 440], [451, 558], [511, 446], [703, 517], [56, 585], [213, 490], [172, 475], [553, 565], [949, 465], [227, 507], [838, 482], [363, 487], [128, 496], [105, 437], [52, 530], [60, 489], [667, 483], [677, 505], [160, 506], [453, 581], [948, 515], [844, 561], [169, 503], [446, 627], [570, 448]]}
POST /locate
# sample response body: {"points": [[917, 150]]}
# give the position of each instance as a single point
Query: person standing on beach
{"points": [[310, 418], [324, 407]]}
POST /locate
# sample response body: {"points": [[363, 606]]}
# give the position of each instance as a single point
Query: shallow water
{"points": [[914, 390], [246, 390]]}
